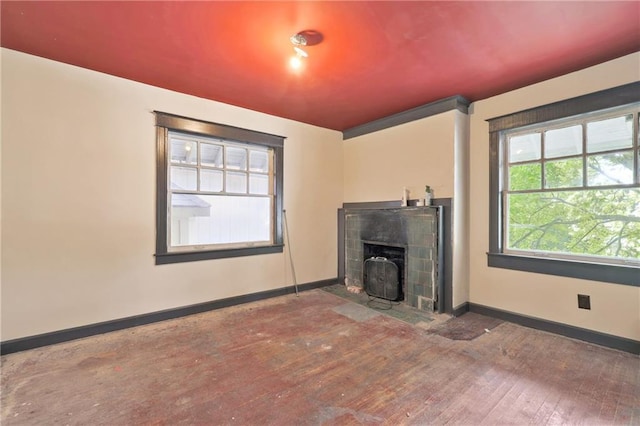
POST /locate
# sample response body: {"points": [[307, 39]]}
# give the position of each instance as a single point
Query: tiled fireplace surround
{"points": [[416, 229]]}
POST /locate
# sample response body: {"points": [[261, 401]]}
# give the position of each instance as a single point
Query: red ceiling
{"points": [[376, 59]]}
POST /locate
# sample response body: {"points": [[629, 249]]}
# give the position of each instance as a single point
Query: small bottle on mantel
{"points": [[405, 197], [428, 194]]}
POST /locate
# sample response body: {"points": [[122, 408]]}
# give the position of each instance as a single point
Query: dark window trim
{"points": [[178, 257], [609, 98], [166, 122], [444, 105], [618, 274], [200, 127]]}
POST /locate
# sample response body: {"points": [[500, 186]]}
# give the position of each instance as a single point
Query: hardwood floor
{"points": [[318, 359]]}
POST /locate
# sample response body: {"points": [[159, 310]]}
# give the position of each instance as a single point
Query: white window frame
{"points": [[581, 120], [169, 125], [224, 192], [576, 268]]}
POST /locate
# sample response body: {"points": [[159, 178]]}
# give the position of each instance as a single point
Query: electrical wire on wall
{"points": [[293, 269]]}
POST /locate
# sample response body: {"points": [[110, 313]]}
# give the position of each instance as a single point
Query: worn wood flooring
{"points": [[318, 359]]}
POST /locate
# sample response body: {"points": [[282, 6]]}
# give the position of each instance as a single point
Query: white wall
{"points": [[78, 200], [431, 151], [460, 203], [615, 309], [378, 165], [1, 109]]}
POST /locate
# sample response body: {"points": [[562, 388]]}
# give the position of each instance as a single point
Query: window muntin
{"points": [[219, 191], [610, 134], [211, 155], [563, 142], [525, 147], [210, 202], [615, 168], [572, 188]]}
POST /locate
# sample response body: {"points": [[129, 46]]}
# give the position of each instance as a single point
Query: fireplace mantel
{"points": [[418, 229]]}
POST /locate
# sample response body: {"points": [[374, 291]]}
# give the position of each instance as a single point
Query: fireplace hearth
{"points": [[383, 274], [407, 239]]}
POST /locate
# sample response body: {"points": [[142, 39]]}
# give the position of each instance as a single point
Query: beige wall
{"points": [[1, 109], [460, 203], [78, 200], [431, 151], [378, 165], [615, 309]]}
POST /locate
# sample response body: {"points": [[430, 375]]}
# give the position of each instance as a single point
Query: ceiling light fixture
{"points": [[298, 41]]}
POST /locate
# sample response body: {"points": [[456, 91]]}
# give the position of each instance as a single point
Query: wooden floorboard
{"points": [[319, 359]]}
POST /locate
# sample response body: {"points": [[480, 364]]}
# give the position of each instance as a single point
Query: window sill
{"points": [[617, 274], [178, 257]]}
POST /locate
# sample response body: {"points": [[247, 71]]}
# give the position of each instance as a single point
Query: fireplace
{"points": [[407, 238], [383, 270]]}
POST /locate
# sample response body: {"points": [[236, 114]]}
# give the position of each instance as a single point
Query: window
{"points": [[219, 191], [565, 188]]}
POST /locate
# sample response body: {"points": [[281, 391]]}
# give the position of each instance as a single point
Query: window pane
{"points": [[211, 155], [258, 161], [184, 151], [210, 180], [614, 133], [610, 169], [563, 173], [525, 176], [237, 182], [216, 219], [185, 178], [589, 222], [524, 147], [563, 142], [236, 158], [259, 184]]}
